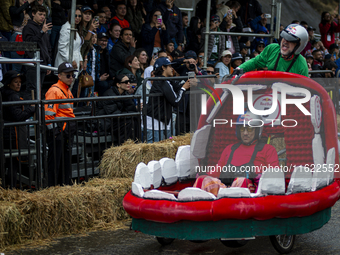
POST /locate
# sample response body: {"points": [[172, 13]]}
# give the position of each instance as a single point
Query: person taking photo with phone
{"points": [[154, 34]]}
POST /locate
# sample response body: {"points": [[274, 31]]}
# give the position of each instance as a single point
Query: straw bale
{"points": [[58, 211], [121, 161], [338, 122]]}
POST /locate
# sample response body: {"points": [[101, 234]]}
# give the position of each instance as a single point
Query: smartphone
{"points": [[191, 75], [159, 19], [268, 16], [216, 70], [96, 19]]}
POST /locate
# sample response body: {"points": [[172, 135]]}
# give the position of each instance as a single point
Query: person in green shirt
{"points": [[284, 56]]}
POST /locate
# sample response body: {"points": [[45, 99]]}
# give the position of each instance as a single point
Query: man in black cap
{"points": [[60, 135], [187, 64], [105, 81], [244, 51]]}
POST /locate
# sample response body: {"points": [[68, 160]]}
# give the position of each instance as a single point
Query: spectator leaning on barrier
{"points": [[36, 31], [172, 94], [172, 18], [60, 135], [121, 50], [118, 106]]}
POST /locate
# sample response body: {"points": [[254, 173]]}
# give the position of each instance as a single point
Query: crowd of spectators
{"points": [[124, 39]]}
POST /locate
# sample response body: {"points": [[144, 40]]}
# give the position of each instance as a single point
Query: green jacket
{"points": [[268, 58], [5, 18]]}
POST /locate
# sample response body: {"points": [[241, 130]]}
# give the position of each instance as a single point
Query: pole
{"points": [[206, 40], [272, 19], [73, 30], [278, 20]]}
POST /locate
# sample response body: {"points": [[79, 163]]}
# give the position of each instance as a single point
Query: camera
{"points": [[191, 67]]}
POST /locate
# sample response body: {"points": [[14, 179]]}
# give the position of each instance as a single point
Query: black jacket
{"points": [[32, 33], [14, 113], [115, 106], [17, 13], [172, 95], [58, 12], [118, 55], [148, 35]]}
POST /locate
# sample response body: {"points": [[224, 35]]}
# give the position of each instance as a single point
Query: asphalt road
{"points": [[127, 242]]}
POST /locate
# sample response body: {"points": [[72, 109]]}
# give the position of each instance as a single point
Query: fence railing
{"points": [[81, 151]]}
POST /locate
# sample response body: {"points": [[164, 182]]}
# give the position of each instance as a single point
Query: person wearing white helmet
{"points": [[284, 56]]}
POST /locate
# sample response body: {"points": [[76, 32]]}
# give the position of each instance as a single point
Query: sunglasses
{"points": [[210, 72], [126, 82], [68, 76], [77, 16], [249, 129], [261, 46]]}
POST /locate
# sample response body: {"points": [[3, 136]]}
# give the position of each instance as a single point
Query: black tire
{"points": [[283, 244], [234, 243], [199, 241], [164, 241]]}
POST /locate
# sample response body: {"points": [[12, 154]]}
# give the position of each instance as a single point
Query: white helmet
{"points": [[295, 33]]}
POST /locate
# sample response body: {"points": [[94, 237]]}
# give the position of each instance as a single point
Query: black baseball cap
{"points": [[101, 35], [9, 76], [243, 45], [163, 61], [66, 67], [310, 28], [86, 9], [190, 54]]}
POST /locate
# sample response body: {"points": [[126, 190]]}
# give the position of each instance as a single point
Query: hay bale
{"points": [[338, 122], [59, 211], [121, 161]]}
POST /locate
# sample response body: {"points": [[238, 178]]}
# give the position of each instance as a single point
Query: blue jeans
{"points": [[149, 137]]}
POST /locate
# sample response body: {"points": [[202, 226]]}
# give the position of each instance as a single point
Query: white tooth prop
{"points": [[137, 189], [169, 170], [185, 162], [199, 141], [318, 151], [300, 181], [272, 182], [234, 192], [156, 173], [143, 176], [194, 194], [316, 113], [330, 161], [157, 194]]}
